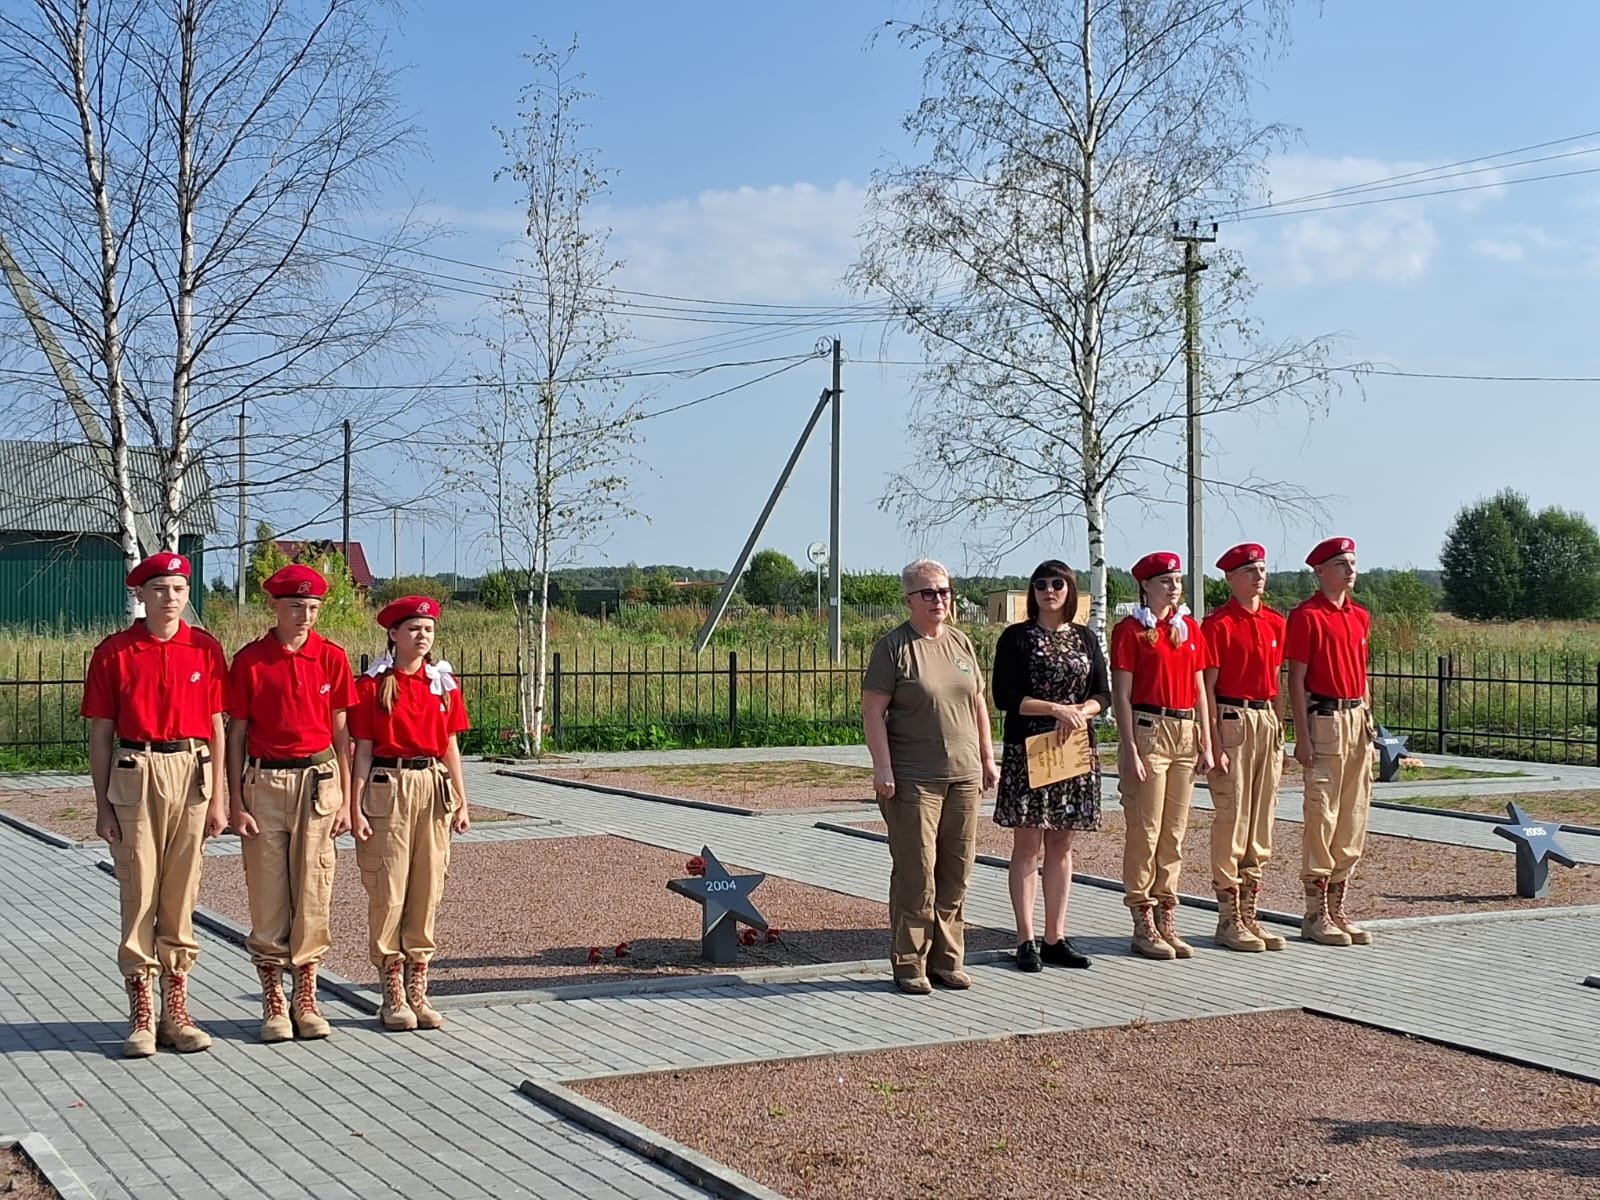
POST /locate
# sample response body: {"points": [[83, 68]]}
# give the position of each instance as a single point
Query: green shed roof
{"points": [[59, 487]]}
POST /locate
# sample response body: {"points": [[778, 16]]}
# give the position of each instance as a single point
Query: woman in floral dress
{"points": [[1049, 676]]}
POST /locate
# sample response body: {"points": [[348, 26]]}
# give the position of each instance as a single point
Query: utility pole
{"points": [[835, 609], [345, 499], [1192, 266], [238, 586], [394, 514]]}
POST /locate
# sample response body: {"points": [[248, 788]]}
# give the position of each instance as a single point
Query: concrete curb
{"points": [[689, 1165], [50, 837], [1476, 1051], [230, 931], [751, 977], [653, 797], [1095, 881], [36, 1148], [1481, 918], [1483, 818]]}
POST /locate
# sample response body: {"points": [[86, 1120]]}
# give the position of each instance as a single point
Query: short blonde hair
{"points": [[922, 568]]}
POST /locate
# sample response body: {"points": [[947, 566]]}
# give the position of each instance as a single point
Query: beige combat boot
{"points": [[1249, 905], [1336, 894], [396, 1014], [428, 1017], [1168, 928], [177, 1028], [1146, 940], [1318, 926], [275, 1025], [1232, 932], [309, 1022], [141, 1039]]}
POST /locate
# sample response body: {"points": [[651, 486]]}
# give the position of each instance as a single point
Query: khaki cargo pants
{"points": [[404, 863], [160, 801], [1156, 811], [932, 844], [1338, 792], [289, 864], [1245, 796]]}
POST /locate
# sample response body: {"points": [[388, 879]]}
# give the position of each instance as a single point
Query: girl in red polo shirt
{"points": [[1164, 736], [409, 795]]}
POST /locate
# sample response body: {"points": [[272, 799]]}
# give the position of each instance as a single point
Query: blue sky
{"points": [[744, 136]]}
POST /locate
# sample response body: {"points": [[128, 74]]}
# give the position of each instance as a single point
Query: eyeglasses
{"points": [[1049, 585], [929, 595]]}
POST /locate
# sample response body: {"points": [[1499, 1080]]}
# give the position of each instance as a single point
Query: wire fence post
{"points": [[1444, 703], [555, 698], [733, 696]]}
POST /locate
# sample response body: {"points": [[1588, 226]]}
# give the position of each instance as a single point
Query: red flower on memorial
{"points": [[621, 950], [774, 935], [594, 955], [747, 937], [695, 866]]}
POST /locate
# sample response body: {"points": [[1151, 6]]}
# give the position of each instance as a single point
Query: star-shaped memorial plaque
{"points": [[1391, 750], [726, 901], [1537, 848]]}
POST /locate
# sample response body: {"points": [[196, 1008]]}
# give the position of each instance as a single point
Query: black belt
{"points": [[182, 745], [1177, 714], [405, 764], [1232, 703], [1324, 705], [293, 764]]}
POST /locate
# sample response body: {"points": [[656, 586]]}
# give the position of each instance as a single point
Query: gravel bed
{"points": [[525, 915], [762, 786], [1397, 877], [70, 812], [20, 1180], [1232, 1108]]}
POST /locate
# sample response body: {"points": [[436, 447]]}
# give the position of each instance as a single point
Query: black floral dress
{"points": [[1064, 667]]}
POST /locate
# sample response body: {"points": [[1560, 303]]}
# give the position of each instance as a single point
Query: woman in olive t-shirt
{"points": [[927, 727]]}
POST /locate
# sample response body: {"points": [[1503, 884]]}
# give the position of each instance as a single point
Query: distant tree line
{"points": [[1504, 562]]}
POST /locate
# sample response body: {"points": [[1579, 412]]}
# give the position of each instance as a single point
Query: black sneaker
{"points": [[1028, 957], [1063, 954]]}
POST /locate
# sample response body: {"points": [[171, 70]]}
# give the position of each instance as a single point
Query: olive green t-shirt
{"points": [[930, 682]]}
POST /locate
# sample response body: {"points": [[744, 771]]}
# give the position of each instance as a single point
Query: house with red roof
{"points": [[354, 556]]}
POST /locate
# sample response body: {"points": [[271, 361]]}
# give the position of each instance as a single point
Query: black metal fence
{"points": [[1540, 708]]}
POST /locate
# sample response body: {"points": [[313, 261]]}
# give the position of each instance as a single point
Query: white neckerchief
{"points": [[441, 675], [1147, 618]]}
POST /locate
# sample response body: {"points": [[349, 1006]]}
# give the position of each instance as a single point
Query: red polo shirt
{"points": [[157, 691], [1163, 674], [289, 696], [1332, 642], [421, 723], [1246, 648]]}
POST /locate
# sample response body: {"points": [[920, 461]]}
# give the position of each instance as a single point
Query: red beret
{"points": [[1160, 563], [295, 580], [1329, 549], [165, 563], [1242, 556], [407, 607]]}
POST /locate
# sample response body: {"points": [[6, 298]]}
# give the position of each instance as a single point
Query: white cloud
{"points": [[1503, 249]]}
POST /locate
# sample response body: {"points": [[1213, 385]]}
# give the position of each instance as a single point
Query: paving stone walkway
{"points": [[366, 1113]]}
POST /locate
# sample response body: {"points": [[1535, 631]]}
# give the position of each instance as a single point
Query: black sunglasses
{"points": [[929, 595], [1049, 585]]}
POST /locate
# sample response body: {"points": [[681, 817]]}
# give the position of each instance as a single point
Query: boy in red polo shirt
{"points": [[410, 794], [1244, 654], [289, 776], [154, 697], [1327, 653], [1163, 736]]}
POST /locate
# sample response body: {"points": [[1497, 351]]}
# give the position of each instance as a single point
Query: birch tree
{"points": [[1031, 254], [551, 457], [185, 199]]}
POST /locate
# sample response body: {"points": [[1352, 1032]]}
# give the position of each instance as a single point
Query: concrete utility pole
{"points": [[345, 499], [835, 608], [1192, 266], [243, 556], [394, 515]]}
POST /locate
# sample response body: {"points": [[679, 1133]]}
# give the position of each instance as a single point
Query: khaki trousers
{"points": [[932, 843], [1245, 796], [1157, 810], [289, 864], [1338, 792], [404, 863], [160, 801]]}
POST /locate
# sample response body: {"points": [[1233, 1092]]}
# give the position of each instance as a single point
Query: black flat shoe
{"points": [[1063, 954], [1028, 957]]}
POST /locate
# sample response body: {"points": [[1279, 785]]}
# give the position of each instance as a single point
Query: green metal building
{"points": [[60, 555]]}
